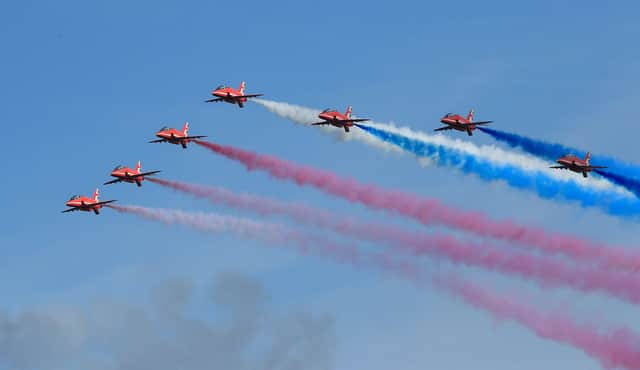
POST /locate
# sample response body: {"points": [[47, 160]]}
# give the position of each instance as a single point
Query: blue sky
{"points": [[85, 85]]}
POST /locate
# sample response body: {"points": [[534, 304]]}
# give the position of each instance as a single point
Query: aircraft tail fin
{"points": [[185, 129], [587, 158], [470, 116], [348, 112], [96, 194], [242, 84], [138, 167]]}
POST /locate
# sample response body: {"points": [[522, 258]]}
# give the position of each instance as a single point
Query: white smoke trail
{"points": [[272, 233], [490, 153], [211, 222]]}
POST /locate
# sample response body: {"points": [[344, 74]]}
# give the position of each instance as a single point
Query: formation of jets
{"points": [[331, 117]]}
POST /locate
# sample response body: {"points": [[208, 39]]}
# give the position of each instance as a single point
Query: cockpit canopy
{"points": [[571, 155], [74, 197], [118, 167], [220, 87], [164, 128], [329, 110], [449, 115]]}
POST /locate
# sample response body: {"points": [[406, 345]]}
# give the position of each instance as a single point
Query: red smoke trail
{"points": [[428, 211], [617, 348], [548, 271]]}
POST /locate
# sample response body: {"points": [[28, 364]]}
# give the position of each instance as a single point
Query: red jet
{"points": [[86, 204], [457, 122], [572, 163], [231, 95], [126, 174], [334, 118], [173, 136]]}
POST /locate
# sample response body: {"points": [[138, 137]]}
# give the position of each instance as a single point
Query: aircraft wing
{"points": [[194, 137], [597, 167], [444, 128], [481, 122], [558, 167], [143, 174], [101, 203], [213, 100], [70, 210], [112, 181], [320, 123], [158, 141], [356, 120], [248, 96]]}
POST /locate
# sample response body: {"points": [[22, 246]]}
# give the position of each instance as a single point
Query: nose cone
{"points": [[217, 93], [160, 134]]}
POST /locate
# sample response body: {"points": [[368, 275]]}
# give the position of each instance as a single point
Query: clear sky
{"points": [[84, 85]]}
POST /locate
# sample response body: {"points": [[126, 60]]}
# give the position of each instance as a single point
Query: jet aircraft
{"points": [[126, 174], [458, 122], [334, 118], [173, 136], [86, 204], [572, 163], [230, 95]]}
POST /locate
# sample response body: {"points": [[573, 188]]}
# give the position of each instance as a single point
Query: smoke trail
{"points": [[630, 184], [549, 151], [616, 348], [540, 181], [549, 272], [271, 234], [426, 211], [444, 149]]}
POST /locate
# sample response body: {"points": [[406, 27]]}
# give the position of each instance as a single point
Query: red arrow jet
{"points": [[460, 123], [572, 163], [334, 118], [231, 95], [173, 136], [126, 174], [86, 204]]}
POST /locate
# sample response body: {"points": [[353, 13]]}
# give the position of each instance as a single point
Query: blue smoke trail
{"points": [[539, 182], [632, 185]]}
